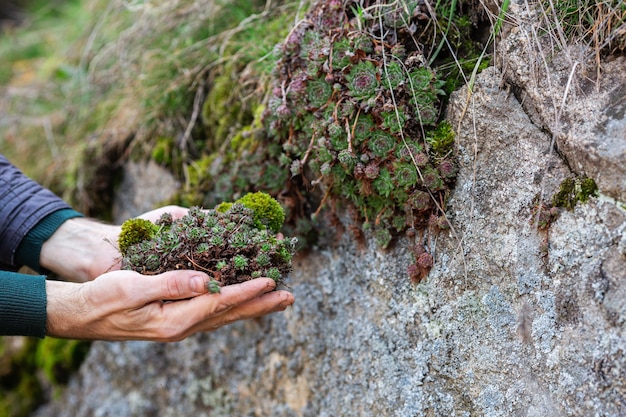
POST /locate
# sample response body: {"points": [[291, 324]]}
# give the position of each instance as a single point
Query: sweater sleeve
{"points": [[29, 215], [28, 251], [23, 205], [22, 304]]}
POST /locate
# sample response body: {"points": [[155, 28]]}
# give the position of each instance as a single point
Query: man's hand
{"points": [[125, 305], [82, 249]]}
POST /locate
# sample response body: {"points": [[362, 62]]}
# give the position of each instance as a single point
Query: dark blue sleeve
{"points": [[29, 215], [23, 204]]}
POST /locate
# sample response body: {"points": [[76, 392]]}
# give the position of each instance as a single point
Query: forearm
{"points": [[81, 249]]}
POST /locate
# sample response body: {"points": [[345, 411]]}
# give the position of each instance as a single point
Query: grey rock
{"points": [[144, 186], [582, 105]]}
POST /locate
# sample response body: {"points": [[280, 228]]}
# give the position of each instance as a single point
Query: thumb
{"points": [[177, 285]]}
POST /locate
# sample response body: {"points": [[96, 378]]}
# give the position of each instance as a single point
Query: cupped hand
{"points": [[125, 305], [107, 257]]}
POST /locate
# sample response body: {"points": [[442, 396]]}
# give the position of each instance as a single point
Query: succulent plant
{"points": [[318, 92], [354, 109], [405, 175], [342, 51], [381, 143], [394, 121], [363, 81], [394, 75], [233, 244]]}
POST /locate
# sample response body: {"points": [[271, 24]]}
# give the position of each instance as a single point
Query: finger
{"points": [[233, 295], [208, 307], [174, 285], [176, 211], [265, 304], [260, 306]]}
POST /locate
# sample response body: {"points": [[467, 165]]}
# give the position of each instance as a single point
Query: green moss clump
{"points": [[574, 190], [135, 231], [267, 211], [588, 188], [223, 207], [441, 140]]}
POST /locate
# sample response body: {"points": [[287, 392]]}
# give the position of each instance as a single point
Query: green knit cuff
{"points": [[22, 304], [30, 248]]}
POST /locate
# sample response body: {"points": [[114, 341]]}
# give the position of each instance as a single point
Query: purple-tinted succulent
{"points": [[372, 170], [425, 260], [420, 159], [447, 169], [363, 80]]}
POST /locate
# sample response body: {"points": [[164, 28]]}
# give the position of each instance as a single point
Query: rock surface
{"points": [[511, 321], [582, 104], [144, 186]]}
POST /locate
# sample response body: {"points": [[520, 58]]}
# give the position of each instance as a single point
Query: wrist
{"points": [[81, 249], [66, 310]]}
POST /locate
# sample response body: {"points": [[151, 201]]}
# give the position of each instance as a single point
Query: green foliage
{"points": [[26, 46], [328, 101], [332, 119], [135, 231], [58, 358], [367, 101], [21, 391], [267, 211], [29, 367], [162, 151], [441, 139], [597, 22]]}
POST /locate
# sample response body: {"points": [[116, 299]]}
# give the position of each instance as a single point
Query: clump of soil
{"points": [[232, 244]]}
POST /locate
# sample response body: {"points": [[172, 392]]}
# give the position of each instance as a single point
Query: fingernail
{"points": [[197, 284], [283, 306]]}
